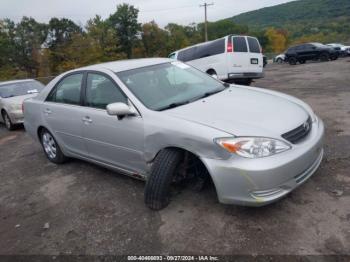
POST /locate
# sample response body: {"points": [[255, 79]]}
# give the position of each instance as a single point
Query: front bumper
{"points": [[16, 116], [257, 182]]}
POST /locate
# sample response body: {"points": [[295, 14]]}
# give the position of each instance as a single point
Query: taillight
{"points": [[229, 47]]}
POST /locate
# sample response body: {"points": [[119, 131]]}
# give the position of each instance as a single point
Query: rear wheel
{"points": [[51, 148], [7, 121], [324, 57], [279, 61], [244, 82], [164, 170], [333, 57], [292, 61]]}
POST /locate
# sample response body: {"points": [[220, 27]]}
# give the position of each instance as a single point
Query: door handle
{"points": [[87, 120], [47, 111]]}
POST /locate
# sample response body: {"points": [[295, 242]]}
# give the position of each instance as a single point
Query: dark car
{"points": [[310, 51]]}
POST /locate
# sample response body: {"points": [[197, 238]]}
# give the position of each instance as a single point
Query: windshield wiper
{"points": [[173, 105]]}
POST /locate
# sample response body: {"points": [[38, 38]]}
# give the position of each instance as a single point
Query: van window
{"points": [[254, 45], [216, 47], [212, 48], [239, 44], [186, 55]]}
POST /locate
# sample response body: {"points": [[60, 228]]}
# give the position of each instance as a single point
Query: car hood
{"points": [[17, 100], [244, 111]]}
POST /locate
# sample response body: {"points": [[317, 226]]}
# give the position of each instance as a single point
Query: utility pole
{"points": [[205, 5]]}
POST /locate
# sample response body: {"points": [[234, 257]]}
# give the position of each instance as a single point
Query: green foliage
{"points": [[32, 49], [329, 18], [124, 22]]}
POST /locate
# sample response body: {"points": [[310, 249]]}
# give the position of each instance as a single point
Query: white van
{"points": [[234, 58]]}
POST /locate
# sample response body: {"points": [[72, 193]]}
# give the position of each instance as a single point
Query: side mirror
{"points": [[120, 110]]}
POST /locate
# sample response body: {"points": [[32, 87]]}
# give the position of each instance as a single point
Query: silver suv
{"points": [[165, 122]]}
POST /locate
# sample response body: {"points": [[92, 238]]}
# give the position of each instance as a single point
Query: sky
{"points": [[161, 11]]}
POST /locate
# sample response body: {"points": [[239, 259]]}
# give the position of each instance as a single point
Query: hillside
{"points": [[314, 11]]}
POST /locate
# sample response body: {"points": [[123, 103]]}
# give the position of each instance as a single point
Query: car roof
{"points": [[124, 65], [15, 81]]}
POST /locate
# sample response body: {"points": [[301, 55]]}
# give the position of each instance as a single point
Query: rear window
{"points": [[239, 44], [254, 46]]}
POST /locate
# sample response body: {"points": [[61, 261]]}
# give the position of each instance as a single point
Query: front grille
{"points": [[296, 135]]}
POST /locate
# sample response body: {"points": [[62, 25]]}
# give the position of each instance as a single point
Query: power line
{"points": [[205, 5]]}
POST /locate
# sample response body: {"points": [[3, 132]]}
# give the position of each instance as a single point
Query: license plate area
{"points": [[254, 61]]}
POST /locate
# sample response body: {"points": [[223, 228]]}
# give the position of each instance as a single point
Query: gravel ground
{"points": [[79, 208]]}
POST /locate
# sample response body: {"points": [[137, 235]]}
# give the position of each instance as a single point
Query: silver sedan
{"points": [[166, 122], [12, 95]]}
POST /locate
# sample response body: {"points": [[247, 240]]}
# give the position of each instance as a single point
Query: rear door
{"points": [[239, 59], [63, 113], [255, 55]]}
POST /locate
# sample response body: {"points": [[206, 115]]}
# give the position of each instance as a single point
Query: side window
{"points": [[239, 44], [217, 47], [172, 56], [68, 90], [101, 91], [186, 55], [254, 46]]}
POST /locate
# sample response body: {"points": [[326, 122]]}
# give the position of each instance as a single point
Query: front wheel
{"points": [[51, 148], [164, 170], [7, 121]]}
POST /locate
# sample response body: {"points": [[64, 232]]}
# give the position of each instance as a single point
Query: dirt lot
{"points": [[91, 210]]}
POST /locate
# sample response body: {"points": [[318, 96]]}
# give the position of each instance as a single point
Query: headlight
{"points": [[253, 147]]}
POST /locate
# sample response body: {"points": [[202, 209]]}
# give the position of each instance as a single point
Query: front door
{"points": [[108, 139]]}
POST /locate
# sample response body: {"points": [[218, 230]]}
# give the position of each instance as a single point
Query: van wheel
{"points": [[7, 121], [324, 57], [165, 167], [212, 73], [243, 82], [51, 148], [292, 61]]}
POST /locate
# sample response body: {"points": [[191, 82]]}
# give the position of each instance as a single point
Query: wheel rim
{"points": [[49, 145], [7, 121]]}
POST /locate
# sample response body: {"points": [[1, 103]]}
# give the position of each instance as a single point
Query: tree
{"points": [[276, 39], [60, 33], [105, 37], [124, 22], [28, 38], [154, 40], [177, 37]]}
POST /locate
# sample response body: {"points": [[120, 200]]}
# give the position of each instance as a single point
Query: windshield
{"points": [[169, 85], [20, 89]]}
